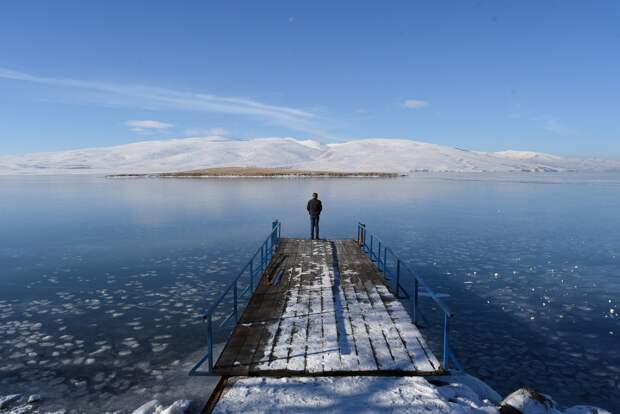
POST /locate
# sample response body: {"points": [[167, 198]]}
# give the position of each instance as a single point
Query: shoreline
{"points": [[452, 393], [251, 172]]}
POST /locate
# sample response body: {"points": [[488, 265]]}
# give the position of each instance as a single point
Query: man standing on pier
{"points": [[314, 209]]}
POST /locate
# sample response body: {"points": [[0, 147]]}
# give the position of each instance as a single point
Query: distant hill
{"points": [[368, 155]]}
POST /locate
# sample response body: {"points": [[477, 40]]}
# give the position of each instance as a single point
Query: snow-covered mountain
{"points": [[369, 155]]}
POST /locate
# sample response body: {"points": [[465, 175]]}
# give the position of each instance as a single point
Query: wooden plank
{"points": [[398, 349], [237, 354], [349, 360], [287, 287], [413, 339], [271, 314], [297, 351], [314, 347], [331, 350], [373, 321], [365, 353]]}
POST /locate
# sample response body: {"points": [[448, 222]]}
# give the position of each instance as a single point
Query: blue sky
{"points": [[488, 75]]}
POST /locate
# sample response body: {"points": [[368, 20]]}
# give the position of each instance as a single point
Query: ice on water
{"points": [[73, 324]]}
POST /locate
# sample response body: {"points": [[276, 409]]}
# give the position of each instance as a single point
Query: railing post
{"points": [[379, 256], [252, 275], [370, 253], [210, 340], [445, 341], [235, 301], [262, 257], [413, 301], [397, 277], [384, 259], [363, 235], [274, 232]]}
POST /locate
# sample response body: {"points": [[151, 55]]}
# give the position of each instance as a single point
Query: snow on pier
{"points": [[323, 333], [357, 394], [321, 313], [324, 309]]}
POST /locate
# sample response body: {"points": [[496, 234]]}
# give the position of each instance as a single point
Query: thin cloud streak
{"points": [[196, 132], [162, 98], [555, 126], [415, 103], [148, 125]]}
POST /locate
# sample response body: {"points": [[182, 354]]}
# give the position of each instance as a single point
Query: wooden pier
{"points": [[320, 310], [323, 309]]}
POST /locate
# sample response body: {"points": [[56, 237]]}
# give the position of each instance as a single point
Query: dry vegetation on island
{"points": [[258, 172]]}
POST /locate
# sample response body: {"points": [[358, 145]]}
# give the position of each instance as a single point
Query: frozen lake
{"points": [[103, 281]]}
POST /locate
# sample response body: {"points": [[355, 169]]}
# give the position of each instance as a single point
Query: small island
{"points": [[257, 172]]}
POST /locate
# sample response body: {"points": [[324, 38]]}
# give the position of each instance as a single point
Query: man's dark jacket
{"points": [[315, 207]]}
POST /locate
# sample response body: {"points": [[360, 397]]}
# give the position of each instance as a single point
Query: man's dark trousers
{"points": [[314, 227]]}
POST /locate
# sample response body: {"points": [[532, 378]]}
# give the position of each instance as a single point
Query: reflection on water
{"points": [[103, 281]]}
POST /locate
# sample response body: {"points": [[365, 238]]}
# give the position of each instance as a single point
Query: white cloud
{"points": [[155, 98], [196, 132], [150, 125], [415, 103], [555, 126]]}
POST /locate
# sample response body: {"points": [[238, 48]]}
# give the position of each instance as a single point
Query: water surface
{"points": [[103, 281]]}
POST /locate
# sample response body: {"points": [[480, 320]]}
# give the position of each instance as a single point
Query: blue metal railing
{"points": [[252, 271], [392, 268]]}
